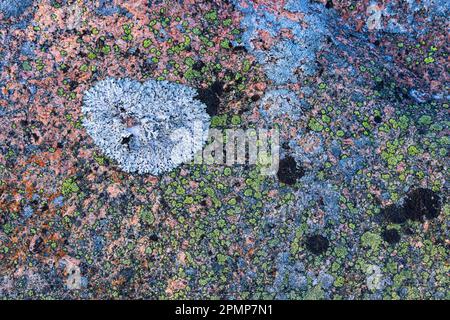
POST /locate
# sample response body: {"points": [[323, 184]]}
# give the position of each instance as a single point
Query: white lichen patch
{"points": [[149, 127]]}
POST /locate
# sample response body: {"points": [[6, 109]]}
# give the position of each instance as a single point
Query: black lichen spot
{"points": [[64, 68], [35, 136], [391, 91], [38, 245], [408, 231], [329, 4], [73, 85], [148, 66], [198, 65], [255, 97], [211, 101], [288, 171], [44, 207], [422, 202], [239, 48], [127, 274], [377, 119], [391, 236], [285, 146], [419, 203], [210, 97], [100, 43], [394, 213], [126, 140], [317, 244], [217, 88]]}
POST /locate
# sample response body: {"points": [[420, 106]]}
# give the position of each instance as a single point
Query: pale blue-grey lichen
{"points": [[288, 59], [280, 103], [149, 127], [14, 8]]}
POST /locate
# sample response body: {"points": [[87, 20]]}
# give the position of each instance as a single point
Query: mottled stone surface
{"points": [[358, 89]]}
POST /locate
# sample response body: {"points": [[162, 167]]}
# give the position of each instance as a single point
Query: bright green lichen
{"points": [[69, 186], [371, 240]]}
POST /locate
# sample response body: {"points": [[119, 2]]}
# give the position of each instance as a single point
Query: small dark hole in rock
{"points": [[239, 48], [255, 97], [126, 140], [391, 236], [64, 68], [217, 87], [377, 119], [394, 214], [317, 244], [422, 202], [408, 231], [38, 244], [211, 99], [288, 171], [198, 65], [73, 84]]}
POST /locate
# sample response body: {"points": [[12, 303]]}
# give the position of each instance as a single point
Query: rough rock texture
{"points": [[358, 90]]}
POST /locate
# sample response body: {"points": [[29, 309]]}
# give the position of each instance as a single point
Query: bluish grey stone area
{"points": [[14, 8], [279, 103], [288, 56], [149, 127]]}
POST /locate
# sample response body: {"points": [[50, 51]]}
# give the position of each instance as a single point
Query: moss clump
{"points": [[225, 44], [147, 43], [315, 125], [371, 240], [219, 121], [425, 120], [211, 15], [69, 186], [413, 151], [236, 120], [315, 293], [146, 216]]}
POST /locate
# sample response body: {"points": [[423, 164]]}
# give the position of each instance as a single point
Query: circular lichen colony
{"points": [[149, 127]]}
